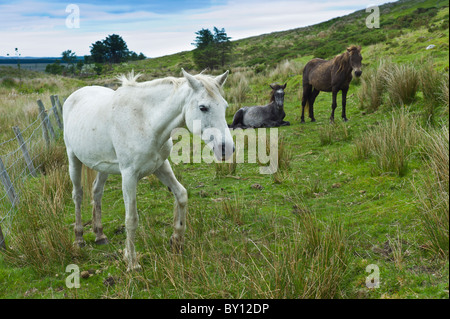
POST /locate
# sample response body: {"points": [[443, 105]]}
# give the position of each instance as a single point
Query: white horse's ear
{"points": [[193, 82], [222, 78]]}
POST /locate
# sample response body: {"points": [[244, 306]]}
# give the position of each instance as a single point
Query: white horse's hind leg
{"points": [[77, 196], [97, 193], [165, 174], [129, 184]]}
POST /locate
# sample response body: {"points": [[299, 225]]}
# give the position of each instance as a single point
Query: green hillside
{"points": [[407, 27]]}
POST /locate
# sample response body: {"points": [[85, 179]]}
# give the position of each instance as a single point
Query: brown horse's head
{"points": [[355, 59]]}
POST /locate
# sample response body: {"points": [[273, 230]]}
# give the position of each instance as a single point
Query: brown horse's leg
{"points": [[333, 105], [303, 113], [344, 104], [312, 99]]}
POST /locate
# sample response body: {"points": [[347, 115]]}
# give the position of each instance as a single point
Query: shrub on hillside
{"points": [[402, 84]]}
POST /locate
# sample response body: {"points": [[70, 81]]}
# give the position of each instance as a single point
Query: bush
{"points": [[55, 68], [9, 82], [402, 84]]}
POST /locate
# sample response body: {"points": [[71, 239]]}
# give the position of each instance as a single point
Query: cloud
{"points": [[38, 28]]}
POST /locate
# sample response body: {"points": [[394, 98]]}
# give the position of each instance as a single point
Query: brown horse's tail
{"points": [[88, 176], [307, 91]]}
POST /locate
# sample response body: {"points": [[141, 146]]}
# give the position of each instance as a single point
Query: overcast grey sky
{"points": [[155, 28]]}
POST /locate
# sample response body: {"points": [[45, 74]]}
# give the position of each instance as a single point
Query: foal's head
{"points": [[205, 113], [277, 94], [355, 59]]}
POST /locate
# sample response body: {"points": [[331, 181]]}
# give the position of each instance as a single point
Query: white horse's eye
{"points": [[203, 108]]}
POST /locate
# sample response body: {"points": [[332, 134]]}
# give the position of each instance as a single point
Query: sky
{"points": [[46, 28]]}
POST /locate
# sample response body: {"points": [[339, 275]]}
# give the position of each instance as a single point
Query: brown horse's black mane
{"points": [[342, 61]]}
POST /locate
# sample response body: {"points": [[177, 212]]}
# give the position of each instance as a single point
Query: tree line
{"points": [[213, 50], [111, 50]]}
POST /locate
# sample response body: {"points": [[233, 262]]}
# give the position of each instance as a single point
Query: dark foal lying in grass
{"points": [[270, 115]]}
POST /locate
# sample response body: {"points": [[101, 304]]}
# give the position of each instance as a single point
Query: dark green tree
{"points": [[212, 49], [112, 49], [99, 52], [204, 38], [117, 49], [223, 45], [70, 58]]}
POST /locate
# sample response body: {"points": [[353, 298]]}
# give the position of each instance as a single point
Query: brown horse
{"points": [[330, 76]]}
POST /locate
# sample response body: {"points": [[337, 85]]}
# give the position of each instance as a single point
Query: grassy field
{"points": [[371, 191]]}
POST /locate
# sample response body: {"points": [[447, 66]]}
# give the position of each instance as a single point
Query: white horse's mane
{"points": [[208, 81]]}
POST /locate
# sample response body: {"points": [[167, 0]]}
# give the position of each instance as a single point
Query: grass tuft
{"points": [[433, 192], [390, 143]]}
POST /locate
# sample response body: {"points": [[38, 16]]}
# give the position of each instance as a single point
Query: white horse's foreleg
{"points": [[77, 196], [167, 177], [129, 184], [97, 193]]}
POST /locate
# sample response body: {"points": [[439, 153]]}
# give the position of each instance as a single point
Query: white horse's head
{"points": [[205, 113]]}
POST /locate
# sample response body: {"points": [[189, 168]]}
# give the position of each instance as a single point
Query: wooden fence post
{"points": [[46, 126], [25, 153], [55, 111], [2, 239], [59, 105], [9, 188]]}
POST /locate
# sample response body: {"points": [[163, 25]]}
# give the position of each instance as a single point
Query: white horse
{"points": [[127, 132]]}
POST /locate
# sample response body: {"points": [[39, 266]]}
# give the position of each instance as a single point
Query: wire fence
{"points": [[21, 158]]}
